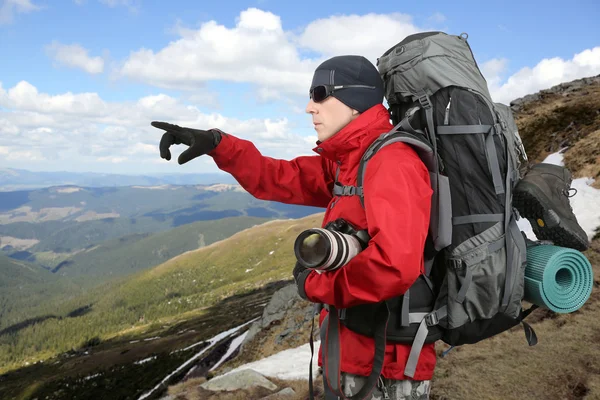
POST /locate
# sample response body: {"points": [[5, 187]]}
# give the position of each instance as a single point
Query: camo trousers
{"points": [[395, 389]]}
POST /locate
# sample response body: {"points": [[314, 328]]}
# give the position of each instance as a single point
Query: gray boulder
{"points": [[243, 379], [281, 301]]}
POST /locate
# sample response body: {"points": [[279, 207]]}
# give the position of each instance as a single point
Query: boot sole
{"points": [[545, 222]]}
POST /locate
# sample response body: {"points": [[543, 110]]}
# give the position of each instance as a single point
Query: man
{"points": [[348, 115]]}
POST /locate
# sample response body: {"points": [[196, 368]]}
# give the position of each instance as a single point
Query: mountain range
{"points": [[12, 179]]}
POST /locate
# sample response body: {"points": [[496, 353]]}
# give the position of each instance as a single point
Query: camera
{"points": [[329, 248]]}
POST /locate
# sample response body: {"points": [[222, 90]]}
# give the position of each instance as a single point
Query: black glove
{"points": [[200, 142], [300, 274]]}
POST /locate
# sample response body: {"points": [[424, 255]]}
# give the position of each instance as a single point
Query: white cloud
{"points": [[85, 131], [547, 73], [493, 70], [494, 67], [75, 56], [258, 50], [7, 127], [378, 32], [25, 97], [16, 154], [8, 8]]}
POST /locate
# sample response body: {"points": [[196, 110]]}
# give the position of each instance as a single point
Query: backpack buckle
{"points": [[424, 100], [348, 190], [456, 263], [431, 319]]}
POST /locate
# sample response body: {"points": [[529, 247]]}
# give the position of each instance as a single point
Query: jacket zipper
{"points": [[334, 201]]}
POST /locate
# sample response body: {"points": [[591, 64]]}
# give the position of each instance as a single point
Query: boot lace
{"points": [[566, 192]]}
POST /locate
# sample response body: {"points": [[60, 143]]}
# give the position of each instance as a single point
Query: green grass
{"points": [[135, 252]]}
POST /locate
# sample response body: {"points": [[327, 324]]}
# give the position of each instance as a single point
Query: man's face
{"points": [[330, 116]]}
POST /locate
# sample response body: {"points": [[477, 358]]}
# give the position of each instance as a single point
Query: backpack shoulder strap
{"points": [[440, 227]]}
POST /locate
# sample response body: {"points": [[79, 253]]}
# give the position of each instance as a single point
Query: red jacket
{"points": [[397, 195]]}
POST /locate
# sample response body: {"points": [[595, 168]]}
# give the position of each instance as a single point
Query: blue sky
{"points": [[81, 80]]}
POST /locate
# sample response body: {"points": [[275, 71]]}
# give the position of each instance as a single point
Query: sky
{"points": [[81, 80]]}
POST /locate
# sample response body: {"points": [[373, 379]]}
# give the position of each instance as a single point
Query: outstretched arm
{"points": [[306, 180]]}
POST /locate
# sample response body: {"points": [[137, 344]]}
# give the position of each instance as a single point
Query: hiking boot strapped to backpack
{"points": [[542, 197], [475, 254]]}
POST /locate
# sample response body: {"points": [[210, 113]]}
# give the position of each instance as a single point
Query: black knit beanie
{"points": [[351, 70]]}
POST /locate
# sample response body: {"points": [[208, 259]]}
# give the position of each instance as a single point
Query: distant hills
{"points": [[92, 233], [19, 179]]}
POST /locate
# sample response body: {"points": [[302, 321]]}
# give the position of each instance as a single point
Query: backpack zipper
{"points": [[447, 114]]}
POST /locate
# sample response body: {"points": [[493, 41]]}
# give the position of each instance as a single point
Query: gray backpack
{"points": [[475, 255]]}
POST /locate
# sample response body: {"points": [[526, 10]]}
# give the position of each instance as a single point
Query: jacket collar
{"points": [[351, 137]]}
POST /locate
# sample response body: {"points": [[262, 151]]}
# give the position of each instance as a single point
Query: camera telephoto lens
{"points": [[325, 250]]}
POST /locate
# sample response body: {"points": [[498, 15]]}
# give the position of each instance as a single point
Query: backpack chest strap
{"points": [[345, 190]]}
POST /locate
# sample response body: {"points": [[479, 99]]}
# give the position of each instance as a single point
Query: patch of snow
{"points": [[218, 337], [145, 360], [134, 341], [287, 364], [87, 378], [272, 251], [556, 158], [250, 269], [211, 341], [235, 343], [152, 338]]}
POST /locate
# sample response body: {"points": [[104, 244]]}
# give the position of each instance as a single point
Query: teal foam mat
{"points": [[557, 278]]}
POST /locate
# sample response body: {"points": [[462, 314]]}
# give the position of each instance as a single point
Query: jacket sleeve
{"points": [[397, 194], [306, 180]]}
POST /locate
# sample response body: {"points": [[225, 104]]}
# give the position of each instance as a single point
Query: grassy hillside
{"points": [[15, 273], [194, 280], [31, 292], [24, 287], [132, 253]]}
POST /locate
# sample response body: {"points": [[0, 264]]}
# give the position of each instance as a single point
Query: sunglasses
{"points": [[321, 92]]}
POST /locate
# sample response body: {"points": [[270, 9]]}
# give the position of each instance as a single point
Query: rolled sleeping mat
{"points": [[557, 278]]}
